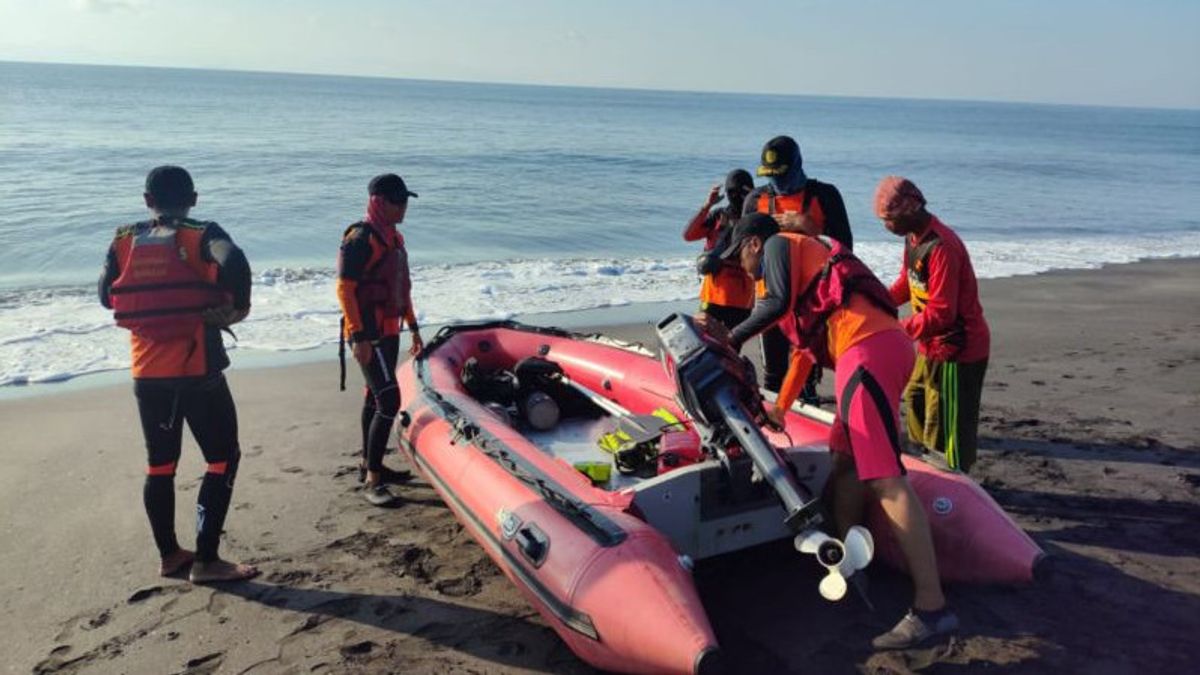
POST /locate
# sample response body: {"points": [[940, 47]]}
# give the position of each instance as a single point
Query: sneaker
{"points": [[914, 630], [379, 495]]}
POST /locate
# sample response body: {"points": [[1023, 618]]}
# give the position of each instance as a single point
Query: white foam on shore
{"points": [[50, 335]]}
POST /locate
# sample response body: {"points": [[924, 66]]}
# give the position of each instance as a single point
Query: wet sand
{"points": [[1090, 433]]}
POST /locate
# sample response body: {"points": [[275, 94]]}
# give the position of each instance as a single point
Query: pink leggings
{"points": [[870, 379]]}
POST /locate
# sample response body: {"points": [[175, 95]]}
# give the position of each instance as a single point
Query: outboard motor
{"points": [[719, 391]]}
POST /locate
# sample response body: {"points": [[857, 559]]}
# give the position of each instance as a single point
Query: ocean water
{"points": [[532, 199]]}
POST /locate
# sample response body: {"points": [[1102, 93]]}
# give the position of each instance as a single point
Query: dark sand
{"points": [[1091, 421]]}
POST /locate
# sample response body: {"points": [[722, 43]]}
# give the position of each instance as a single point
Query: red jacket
{"points": [[937, 278]]}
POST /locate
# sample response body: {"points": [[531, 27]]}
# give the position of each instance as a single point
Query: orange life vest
{"points": [[836, 300], [163, 286], [799, 202], [729, 286]]}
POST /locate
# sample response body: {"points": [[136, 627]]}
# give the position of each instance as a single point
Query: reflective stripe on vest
{"points": [[916, 267]]}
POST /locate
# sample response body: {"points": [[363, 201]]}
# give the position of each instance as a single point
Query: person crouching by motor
{"points": [[374, 291], [726, 292], [175, 283], [835, 313], [947, 322]]}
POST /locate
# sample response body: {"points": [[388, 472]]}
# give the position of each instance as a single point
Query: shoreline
{"points": [[598, 318], [1089, 439]]}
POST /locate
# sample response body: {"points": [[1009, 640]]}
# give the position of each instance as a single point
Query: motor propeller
{"points": [[842, 558]]}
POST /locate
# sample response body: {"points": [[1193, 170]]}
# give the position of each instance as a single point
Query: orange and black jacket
{"points": [[821, 201], [368, 254], [203, 353]]}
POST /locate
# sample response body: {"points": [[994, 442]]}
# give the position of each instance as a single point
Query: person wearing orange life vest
{"points": [[726, 292], [947, 323], [175, 283], [799, 204], [374, 289], [837, 314]]}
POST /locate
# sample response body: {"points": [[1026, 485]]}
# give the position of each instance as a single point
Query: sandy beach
{"points": [[1091, 421]]}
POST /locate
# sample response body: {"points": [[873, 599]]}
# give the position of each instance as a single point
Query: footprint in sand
{"points": [[217, 603], [203, 665], [357, 648], [144, 593], [97, 621], [459, 588]]}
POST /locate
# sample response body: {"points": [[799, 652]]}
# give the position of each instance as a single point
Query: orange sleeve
{"points": [[349, 303], [799, 367]]}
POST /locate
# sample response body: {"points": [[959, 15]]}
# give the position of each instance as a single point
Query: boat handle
{"points": [[533, 543]]}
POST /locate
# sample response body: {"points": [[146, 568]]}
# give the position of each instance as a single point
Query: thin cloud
{"points": [[108, 6]]}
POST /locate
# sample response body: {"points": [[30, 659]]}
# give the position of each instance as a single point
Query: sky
{"points": [[1142, 53]]}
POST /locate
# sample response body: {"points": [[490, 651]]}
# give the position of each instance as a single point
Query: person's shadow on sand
{"points": [[503, 639]]}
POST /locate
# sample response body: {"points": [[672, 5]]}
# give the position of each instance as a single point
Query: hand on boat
{"points": [[712, 326], [775, 418], [417, 344]]}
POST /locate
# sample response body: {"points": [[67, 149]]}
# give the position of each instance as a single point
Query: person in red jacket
{"points": [[947, 323], [374, 289]]}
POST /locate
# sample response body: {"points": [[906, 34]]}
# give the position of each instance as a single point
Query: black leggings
{"points": [[206, 405], [381, 401]]}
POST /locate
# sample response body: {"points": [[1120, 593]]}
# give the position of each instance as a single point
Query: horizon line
{"points": [[556, 85]]}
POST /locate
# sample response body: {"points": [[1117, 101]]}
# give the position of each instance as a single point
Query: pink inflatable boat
{"points": [[602, 540]]}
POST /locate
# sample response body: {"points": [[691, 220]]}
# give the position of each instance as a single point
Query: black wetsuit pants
{"points": [[206, 405], [381, 400]]}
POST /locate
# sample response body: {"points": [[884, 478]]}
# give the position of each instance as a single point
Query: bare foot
{"points": [[221, 570], [175, 562]]}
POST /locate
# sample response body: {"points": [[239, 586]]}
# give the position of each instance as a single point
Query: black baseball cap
{"points": [[738, 180], [391, 187], [779, 155], [170, 186], [750, 225]]}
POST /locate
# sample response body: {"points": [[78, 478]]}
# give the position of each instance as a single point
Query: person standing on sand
{"points": [[374, 289], [835, 313], [175, 283], [803, 205], [726, 293], [947, 323]]}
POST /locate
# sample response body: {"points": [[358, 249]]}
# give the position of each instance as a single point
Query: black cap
{"points": [[170, 186], [391, 187], [779, 155], [739, 180], [750, 225]]}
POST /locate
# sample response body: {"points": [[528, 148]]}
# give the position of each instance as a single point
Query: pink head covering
{"points": [[376, 210], [897, 197]]}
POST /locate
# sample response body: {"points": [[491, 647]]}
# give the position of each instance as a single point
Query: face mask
{"points": [[789, 182]]}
